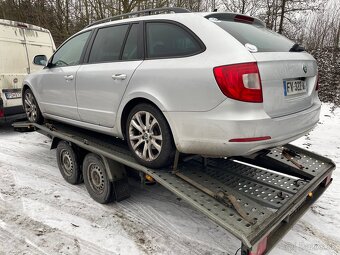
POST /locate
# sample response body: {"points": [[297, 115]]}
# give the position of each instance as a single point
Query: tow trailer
{"points": [[256, 199]]}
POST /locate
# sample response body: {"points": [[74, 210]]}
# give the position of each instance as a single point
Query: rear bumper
{"points": [[208, 133], [12, 113]]}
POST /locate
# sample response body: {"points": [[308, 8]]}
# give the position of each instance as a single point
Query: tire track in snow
{"points": [[137, 215]]}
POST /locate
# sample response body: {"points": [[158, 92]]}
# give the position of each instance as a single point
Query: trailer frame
{"points": [[269, 188]]}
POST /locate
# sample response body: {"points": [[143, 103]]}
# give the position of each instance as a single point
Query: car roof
{"points": [[169, 16], [176, 17]]}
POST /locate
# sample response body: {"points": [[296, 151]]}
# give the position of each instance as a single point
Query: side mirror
{"points": [[40, 60]]}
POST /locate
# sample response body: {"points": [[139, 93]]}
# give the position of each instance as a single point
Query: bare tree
{"points": [[250, 7]]}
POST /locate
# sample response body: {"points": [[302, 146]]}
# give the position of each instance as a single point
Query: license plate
{"points": [[293, 87], [12, 94]]}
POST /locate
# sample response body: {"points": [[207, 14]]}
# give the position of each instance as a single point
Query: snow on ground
{"points": [[41, 214]]}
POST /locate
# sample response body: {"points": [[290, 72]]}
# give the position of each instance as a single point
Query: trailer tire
{"points": [[96, 179], [68, 163]]}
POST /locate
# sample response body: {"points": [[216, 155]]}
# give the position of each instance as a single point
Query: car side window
{"points": [[69, 54], [108, 44], [169, 40], [130, 49]]}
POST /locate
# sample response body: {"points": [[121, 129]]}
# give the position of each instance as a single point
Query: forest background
{"points": [[315, 24]]}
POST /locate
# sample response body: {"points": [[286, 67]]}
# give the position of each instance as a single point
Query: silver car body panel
{"points": [[278, 66], [55, 91], [209, 132], [105, 92], [89, 126], [200, 116]]}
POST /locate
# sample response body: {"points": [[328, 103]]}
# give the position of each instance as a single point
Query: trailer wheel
{"points": [[68, 163], [96, 180]]}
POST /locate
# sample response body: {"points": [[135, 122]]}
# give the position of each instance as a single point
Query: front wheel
{"points": [[149, 136], [31, 107]]}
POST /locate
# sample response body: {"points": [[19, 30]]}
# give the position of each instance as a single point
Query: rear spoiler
{"points": [[235, 17]]}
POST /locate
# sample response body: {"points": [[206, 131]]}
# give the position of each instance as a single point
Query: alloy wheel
{"points": [[31, 108], [145, 135]]}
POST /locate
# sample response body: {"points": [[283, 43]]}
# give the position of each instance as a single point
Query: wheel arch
{"points": [[132, 103], [26, 86]]}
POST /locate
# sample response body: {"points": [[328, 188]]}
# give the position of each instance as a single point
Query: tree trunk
{"points": [[283, 7]]}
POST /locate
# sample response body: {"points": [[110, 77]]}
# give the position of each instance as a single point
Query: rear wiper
{"points": [[297, 48]]}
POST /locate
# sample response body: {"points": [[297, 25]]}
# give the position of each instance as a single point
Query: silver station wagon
{"points": [[214, 84]]}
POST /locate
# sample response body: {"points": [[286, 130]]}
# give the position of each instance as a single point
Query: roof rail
{"points": [[141, 13]]}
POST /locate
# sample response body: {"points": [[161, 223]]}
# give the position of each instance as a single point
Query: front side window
{"points": [[69, 54], [169, 40], [108, 44]]}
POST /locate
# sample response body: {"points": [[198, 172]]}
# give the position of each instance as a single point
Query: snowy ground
{"points": [[41, 214]]}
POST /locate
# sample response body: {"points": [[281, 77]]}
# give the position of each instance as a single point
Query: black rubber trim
{"points": [[124, 42], [89, 46], [141, 40]]}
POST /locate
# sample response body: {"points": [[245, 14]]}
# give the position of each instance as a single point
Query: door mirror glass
{"points": [[40, 60]]}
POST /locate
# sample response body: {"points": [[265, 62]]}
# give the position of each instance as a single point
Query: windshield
{"points": [[250, 35]]}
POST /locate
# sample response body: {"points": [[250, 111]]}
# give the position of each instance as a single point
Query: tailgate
{"points": [[288, 81]]}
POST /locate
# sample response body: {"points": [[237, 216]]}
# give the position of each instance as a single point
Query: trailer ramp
{"points": [[270, 190]]}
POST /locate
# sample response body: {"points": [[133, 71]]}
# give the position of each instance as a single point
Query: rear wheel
{"points": [[96, 180], [149, 136], [68, 163], [31, 107]]}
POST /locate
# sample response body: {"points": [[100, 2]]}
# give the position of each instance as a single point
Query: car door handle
{"points": [[120, 76], [69, 77]]}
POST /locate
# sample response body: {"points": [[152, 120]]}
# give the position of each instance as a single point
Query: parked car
{"points": [[215, 84], [24, 49]]}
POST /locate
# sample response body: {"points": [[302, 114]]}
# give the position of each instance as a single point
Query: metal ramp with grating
{"points": [[264, 196]]}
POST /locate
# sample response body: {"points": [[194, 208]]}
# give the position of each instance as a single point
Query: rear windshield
{"points": [[249, 35]]}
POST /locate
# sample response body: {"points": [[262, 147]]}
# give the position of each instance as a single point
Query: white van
{"points": [[24, 49]]}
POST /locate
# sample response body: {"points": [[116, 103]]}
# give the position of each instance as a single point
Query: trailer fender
{"points": [[118, 177], [115, 170], [54, 143]]}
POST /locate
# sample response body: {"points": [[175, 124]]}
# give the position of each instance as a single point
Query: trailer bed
{"points": [[272, 191]]}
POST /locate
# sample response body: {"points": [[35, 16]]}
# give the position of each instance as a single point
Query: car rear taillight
{"points": [[240, 82], [2, 113], [317, 82]]}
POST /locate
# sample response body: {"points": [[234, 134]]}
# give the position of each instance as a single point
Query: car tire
{"points": [[96, 180], [68, 163], [31, 108], [149, 136]]}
